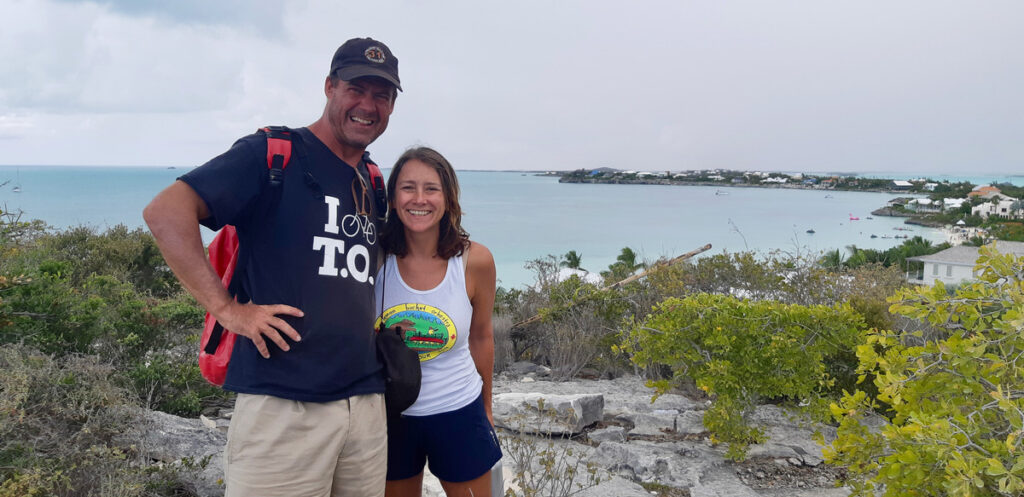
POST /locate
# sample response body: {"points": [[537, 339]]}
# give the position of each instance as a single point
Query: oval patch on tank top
{"points": [[426, 329]]}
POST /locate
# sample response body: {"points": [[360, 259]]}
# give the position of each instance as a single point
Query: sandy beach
{"points": [[958, 235]]}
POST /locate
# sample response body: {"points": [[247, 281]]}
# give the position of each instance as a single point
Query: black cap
{"points": [[361, 57]]}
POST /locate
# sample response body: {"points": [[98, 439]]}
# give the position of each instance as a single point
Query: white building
{"points": [[956, 264], [924, 205], [952, 203], [999, 206]]}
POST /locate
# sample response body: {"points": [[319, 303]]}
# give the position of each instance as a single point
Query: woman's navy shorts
{"points": [[459, 445]]}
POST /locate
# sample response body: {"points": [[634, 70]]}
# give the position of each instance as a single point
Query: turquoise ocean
{"points": [[523, 216]]}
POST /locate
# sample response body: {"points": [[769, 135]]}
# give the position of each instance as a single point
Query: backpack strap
{"points": [[380, 194], [279, 152]]}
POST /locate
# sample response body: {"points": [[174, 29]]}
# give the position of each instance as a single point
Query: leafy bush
{"points": [[109, 295], [742, 352], [59, 423], [956, 398]]}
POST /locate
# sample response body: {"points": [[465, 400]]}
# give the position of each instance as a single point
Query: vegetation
{"points": [[743, 353], [543, 467], [896, 256], [92, 325], [952, 393]]}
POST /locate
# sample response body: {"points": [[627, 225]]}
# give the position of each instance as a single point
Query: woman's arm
{"points": [[480, 286]]}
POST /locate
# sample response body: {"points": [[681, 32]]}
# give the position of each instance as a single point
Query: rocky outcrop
{"points": [[611, 423], [532, 412], [187, 443]]}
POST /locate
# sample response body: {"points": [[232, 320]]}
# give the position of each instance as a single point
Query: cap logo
{"points": [[375, 54]]}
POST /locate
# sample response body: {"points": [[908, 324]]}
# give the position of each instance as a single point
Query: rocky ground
{"points": [[639, 447]]}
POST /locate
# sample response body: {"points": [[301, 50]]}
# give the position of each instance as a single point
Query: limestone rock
{"points": [[172, 439], [564, 414]]}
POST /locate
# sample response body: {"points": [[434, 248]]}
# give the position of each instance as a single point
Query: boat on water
{"points": [[811, 231], [854, 218], [720, 192], [16, 189], [828, 195]]}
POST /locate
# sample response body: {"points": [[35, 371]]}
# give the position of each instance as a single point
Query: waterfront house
{"points": [[924, 205], [956, 264], [901, 185]]}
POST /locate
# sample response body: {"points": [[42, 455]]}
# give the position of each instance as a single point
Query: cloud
{"points": [[789, 85]]}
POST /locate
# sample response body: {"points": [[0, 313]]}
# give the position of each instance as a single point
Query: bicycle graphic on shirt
{"points": [[353, 224]]}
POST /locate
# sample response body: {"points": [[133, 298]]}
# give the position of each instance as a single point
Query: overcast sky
{"points": [[917, 86]]}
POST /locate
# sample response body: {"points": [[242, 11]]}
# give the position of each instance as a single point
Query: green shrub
{"points": [[743, 352], [59, 425], [955, 397]]}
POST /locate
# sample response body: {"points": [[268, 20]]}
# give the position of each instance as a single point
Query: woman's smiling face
{"points": [[419, 197]]}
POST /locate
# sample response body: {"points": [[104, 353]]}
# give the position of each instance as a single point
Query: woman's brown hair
{"points": [[452, 239]]}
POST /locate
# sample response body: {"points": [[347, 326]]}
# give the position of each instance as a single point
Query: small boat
{"points": [[874, 236], [720, 192], [828, 195], [16, 189], [854, 218], [811, 231], [869, 217]]}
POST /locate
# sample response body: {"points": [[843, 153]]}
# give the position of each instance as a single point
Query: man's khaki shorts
{"points": [[279, 447]]}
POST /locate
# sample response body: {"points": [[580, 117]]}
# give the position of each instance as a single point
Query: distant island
{"points": [[990, 211], [732, 178]]}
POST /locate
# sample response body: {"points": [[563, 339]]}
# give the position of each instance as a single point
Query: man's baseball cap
{"points": [[360, 57]]}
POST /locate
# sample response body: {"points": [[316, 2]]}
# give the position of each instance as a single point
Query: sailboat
{"points": [[17, 183]]}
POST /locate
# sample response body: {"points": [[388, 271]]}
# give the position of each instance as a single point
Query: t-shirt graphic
{"points": [[426, 329]]}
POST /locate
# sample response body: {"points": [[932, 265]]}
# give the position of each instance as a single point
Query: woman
{"points": [[438, 286]]}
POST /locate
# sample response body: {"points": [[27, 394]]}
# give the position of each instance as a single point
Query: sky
{"points": [[869, 86]]}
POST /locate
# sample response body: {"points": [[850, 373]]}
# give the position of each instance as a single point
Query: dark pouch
{"points": [[401, 371]]}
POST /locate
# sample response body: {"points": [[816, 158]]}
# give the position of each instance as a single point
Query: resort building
{"points": [[956, 264]]}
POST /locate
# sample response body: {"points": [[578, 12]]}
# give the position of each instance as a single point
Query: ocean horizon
{"points": [[522, 215]]}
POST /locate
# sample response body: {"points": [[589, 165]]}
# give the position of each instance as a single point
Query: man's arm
{"points": [[480, 276], [173, 218]]}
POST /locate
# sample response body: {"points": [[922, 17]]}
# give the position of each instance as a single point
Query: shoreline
{"points": [[786, 186]]}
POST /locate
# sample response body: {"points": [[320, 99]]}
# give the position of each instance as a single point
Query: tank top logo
{"points": [[427, 329]]}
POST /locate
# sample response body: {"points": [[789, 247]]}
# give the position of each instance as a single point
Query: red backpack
{"points": [[217, 343]]}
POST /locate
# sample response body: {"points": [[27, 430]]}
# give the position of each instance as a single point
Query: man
{"points": [[309, 418]]}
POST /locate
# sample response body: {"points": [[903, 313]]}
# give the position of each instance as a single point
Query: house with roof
{"points": [[924, 205], [984, 191], [956, 264], [901, 185], [999, 206]]}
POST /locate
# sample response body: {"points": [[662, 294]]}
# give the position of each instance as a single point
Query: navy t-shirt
{"points": [[304, 244]]}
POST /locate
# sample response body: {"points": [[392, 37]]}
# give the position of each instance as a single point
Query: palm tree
{"points": [[623, 267], [628, 260], [832, 259], [571, 260]]}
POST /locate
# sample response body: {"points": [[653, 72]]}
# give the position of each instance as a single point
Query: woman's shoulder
{"points": [[480, 272]]}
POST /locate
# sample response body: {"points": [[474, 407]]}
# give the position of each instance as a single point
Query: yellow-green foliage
{"points": [[956, 400], [741, 352]]}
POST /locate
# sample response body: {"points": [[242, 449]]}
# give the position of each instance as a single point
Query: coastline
{"points": [[782, 186]]}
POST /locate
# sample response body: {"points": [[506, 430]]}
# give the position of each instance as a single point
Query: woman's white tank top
{"points": [[435, 324]]}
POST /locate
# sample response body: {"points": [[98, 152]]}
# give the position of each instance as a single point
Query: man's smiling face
{"points": [[358, 110]]}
